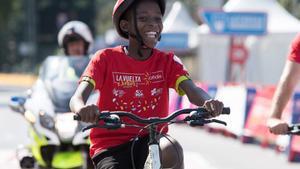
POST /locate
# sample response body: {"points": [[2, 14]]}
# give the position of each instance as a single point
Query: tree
{"points": [[53, 14], [293, 6], [10, 19], [104, 15], [28, 29]]}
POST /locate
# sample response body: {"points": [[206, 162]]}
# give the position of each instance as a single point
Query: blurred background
{"points": [[28, 28]]}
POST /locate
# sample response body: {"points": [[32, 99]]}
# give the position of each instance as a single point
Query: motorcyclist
{"points": [[75, 38]]}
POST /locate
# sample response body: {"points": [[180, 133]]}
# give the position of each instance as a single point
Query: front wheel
{"points": [[153, 159], [87, 163]]}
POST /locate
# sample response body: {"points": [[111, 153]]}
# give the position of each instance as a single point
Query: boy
{"points": [[134, 78]]}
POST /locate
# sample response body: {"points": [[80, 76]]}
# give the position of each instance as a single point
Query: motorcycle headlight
{"points": [[46, 120], [29, 116]]}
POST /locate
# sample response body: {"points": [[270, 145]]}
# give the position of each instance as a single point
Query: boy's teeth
{"points": [[151, 34]]}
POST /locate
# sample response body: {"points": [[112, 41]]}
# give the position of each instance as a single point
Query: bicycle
{"points": [[112, 120]]}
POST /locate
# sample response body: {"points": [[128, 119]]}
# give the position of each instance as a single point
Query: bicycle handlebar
{"points": [[197, 116], [294, 129]]}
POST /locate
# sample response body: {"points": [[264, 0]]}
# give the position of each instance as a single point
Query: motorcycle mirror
{"points": [[17, 104], [28, 93]]}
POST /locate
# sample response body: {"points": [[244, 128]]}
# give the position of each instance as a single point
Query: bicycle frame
{"points": [[153, 159]]}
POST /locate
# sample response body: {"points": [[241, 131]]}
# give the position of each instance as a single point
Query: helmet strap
{"points": [[138, 36]]}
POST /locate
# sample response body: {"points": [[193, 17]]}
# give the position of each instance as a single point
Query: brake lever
{"points": [[218, 121], [89, 127], [109, 126], [201, 122], [195, 117]]}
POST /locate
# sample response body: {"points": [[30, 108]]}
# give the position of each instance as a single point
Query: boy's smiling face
{"points": [[149, 22]]}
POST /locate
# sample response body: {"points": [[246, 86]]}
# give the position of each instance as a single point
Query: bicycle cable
{"points": [[161, 134], [133, 143], [135, 139], [166, 136]]}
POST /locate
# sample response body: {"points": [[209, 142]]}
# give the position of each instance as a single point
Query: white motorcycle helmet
{"points": [[75, 30]]}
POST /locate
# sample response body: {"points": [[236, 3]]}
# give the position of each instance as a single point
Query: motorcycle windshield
{"points": [[60, 75]]}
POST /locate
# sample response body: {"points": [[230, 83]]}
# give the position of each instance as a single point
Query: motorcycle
{"points": [[57, 141]]}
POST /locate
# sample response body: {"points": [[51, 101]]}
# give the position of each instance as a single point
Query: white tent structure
{"points": [[267, 53], [177, 26], [178, 19]]}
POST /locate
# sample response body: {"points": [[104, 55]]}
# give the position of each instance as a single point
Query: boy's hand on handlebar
{"points": [[88, 113], [276, 126], [214, 107]]}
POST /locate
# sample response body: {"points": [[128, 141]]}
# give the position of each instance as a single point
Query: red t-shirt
{"points": [[126, 84], [294, 54]]}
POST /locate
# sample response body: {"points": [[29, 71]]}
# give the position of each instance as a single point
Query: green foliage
{"points": [[104, 11], [10, 17], [286, 3], [192, 6], [293, 6]]}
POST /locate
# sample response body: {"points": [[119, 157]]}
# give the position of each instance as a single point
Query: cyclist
{"points": [[287, 83], [75, 38], [135, 78]]}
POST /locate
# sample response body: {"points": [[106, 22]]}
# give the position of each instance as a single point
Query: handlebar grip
{"points": [[77, 117], [294, 129], [226, 110]]}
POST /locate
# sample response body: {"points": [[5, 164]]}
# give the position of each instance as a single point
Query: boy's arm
{"points": [[77, 103], [80, 96], [195, 94], [199, 97]]}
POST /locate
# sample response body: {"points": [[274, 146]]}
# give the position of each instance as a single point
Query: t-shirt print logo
{"points": [[139, 93], [128, 80], [154, 77]]}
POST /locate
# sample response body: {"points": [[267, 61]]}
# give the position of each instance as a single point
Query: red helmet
{"points": [[120, 8]]}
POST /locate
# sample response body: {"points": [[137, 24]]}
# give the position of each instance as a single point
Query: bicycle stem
{"points": [[152, 134]]}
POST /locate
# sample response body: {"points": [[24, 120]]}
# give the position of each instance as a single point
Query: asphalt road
{"points": [[202, 150]]}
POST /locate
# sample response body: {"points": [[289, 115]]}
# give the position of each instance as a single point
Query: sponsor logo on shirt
{"points": [[133, 79]]}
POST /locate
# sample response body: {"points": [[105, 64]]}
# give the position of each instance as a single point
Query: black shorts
{"points": [[119, 157]]}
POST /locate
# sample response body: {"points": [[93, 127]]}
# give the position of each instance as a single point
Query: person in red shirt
{"points": [[134, 78], [287, 83]]}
